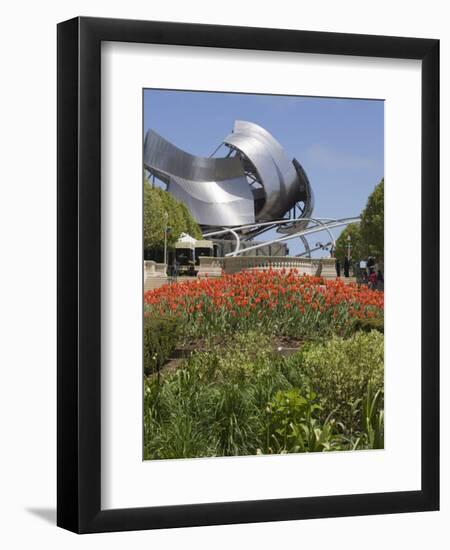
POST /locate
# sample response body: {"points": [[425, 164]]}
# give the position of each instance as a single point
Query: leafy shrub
{"points": [[242, 358], [366, 325], [294, 425], [160, 340], [286, 411], [240, 398], [339, 370]]}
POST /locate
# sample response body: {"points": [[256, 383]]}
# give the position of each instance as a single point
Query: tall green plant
{"points": [[372, 417]]}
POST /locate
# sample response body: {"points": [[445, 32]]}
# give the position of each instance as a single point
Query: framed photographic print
{"points": [[248, 259]]}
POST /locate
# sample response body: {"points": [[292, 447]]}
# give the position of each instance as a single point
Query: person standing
{"points": [[372, 282], [357, 273], [338, 267], [346, 267], [380, 280]]}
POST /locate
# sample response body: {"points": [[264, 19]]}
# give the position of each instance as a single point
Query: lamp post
{"points": [[166, 217], [349, 246]]}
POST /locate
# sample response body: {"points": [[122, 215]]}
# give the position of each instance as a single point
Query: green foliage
{"points": [[242, 399], [190, 225], [153, 217], [367, 237], [341, 250], [295, 427], [213, 401], [366, 325], [372, 417], [339, 370], [372, 223], [160, 340], [156, 203]]}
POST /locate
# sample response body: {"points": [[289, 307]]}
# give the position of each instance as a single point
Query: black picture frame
{"points": [[79, 280]]}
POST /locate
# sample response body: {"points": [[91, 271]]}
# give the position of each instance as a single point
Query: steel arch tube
{"points": [[303, 232]]}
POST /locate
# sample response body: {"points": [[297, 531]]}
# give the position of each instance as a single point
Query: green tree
{"points": [[372, 223], [190, 224], [353, 231], [156, 203], [367, 237], [153, 218]]}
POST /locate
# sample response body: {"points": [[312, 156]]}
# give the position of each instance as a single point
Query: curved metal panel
{"points": [[215, 190], [307, 193], [275, 171], [306, 196], [214, 203]]}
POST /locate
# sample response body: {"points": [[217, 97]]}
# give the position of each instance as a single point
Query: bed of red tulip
{"points": [[283, 301]]}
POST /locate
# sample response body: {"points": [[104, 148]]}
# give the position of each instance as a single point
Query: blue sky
{"points": [[339, 142]]}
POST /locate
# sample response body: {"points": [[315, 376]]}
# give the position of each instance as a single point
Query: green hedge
{"points": [[160, 340]]}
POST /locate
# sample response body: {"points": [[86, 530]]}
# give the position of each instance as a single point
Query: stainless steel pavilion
{"points": [[255, 187]]}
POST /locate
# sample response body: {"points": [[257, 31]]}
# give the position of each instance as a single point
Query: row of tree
{"points": [[366, 237], [178, 219]]}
